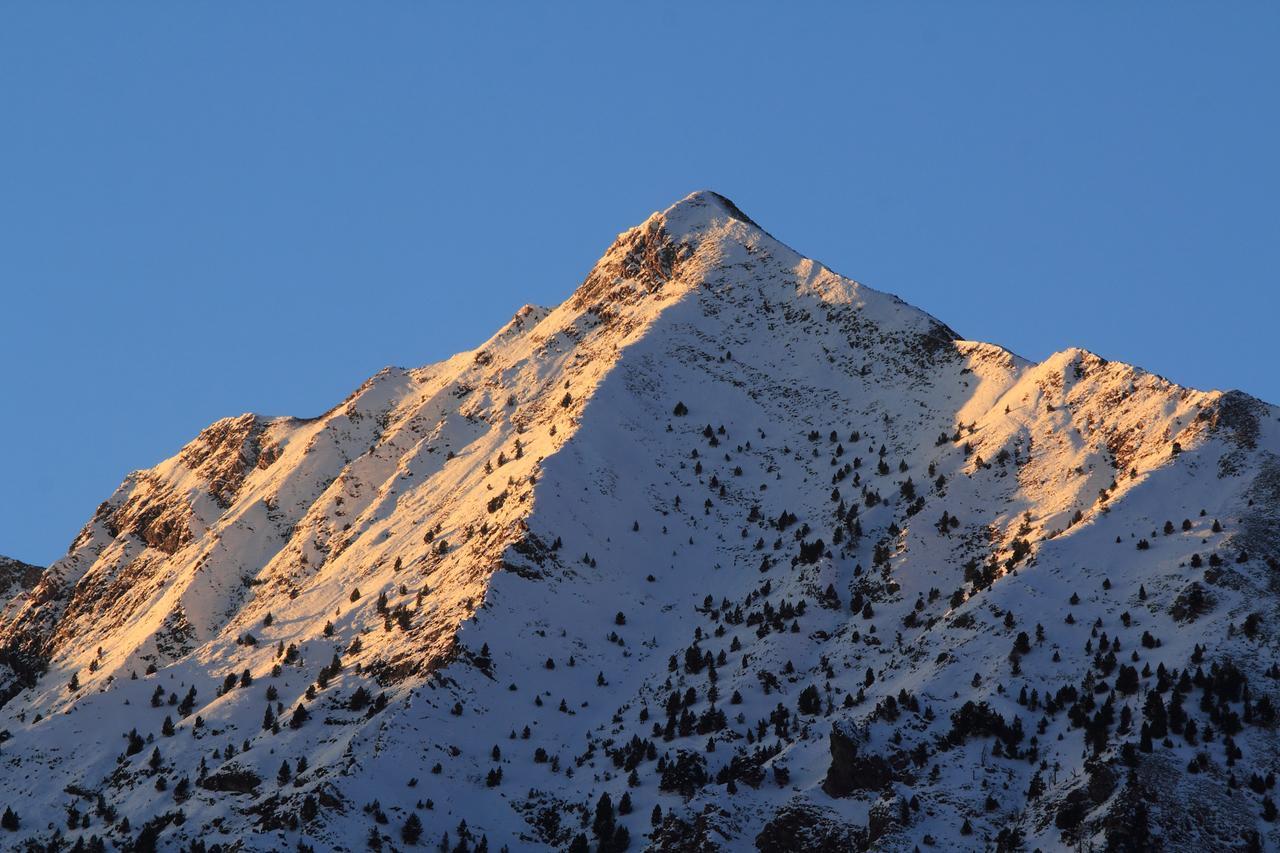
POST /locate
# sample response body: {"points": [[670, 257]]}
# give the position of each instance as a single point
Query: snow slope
{"points": [[775, 555]]}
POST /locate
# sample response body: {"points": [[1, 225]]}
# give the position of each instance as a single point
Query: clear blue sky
{"points": [[207, 209]]}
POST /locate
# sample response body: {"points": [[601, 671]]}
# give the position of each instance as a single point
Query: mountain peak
{"points": [[702, 207], [705, 243], [676, 250]]}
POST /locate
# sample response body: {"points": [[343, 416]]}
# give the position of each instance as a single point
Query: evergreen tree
{"points": [[602, 826], [188, 703], [1127, 680], [1156, 715], [412, 829]]}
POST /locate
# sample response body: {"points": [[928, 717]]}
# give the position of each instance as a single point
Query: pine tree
{"points": [[1155, 713], [188, 703], [412, 829], [1127, 680], [9, 820], [602, 826]]}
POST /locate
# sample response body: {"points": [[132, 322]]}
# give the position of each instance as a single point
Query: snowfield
{"points": [[726, 552]]}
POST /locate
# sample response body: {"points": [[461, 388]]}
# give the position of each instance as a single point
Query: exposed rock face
{"points": [[156, 515], [775, 555], [850, 770], [804, 827], [1099, 785], [16, 575], [702, 832], [887, 814], [17, 579], [224, 453]]}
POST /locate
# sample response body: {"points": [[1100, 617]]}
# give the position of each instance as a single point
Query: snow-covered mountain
{"points": [[726, 552]]}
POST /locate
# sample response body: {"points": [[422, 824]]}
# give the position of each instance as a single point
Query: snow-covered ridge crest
{"points": [[725, 532]]}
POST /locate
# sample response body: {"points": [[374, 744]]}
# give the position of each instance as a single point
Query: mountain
{"points": [[726, 552]]}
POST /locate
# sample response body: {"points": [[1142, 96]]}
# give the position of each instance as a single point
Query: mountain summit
{"points": [[725, 552], [710, 203]]}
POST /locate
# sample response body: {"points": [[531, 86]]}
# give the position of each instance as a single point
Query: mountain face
{"points": [[726, 552]]}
